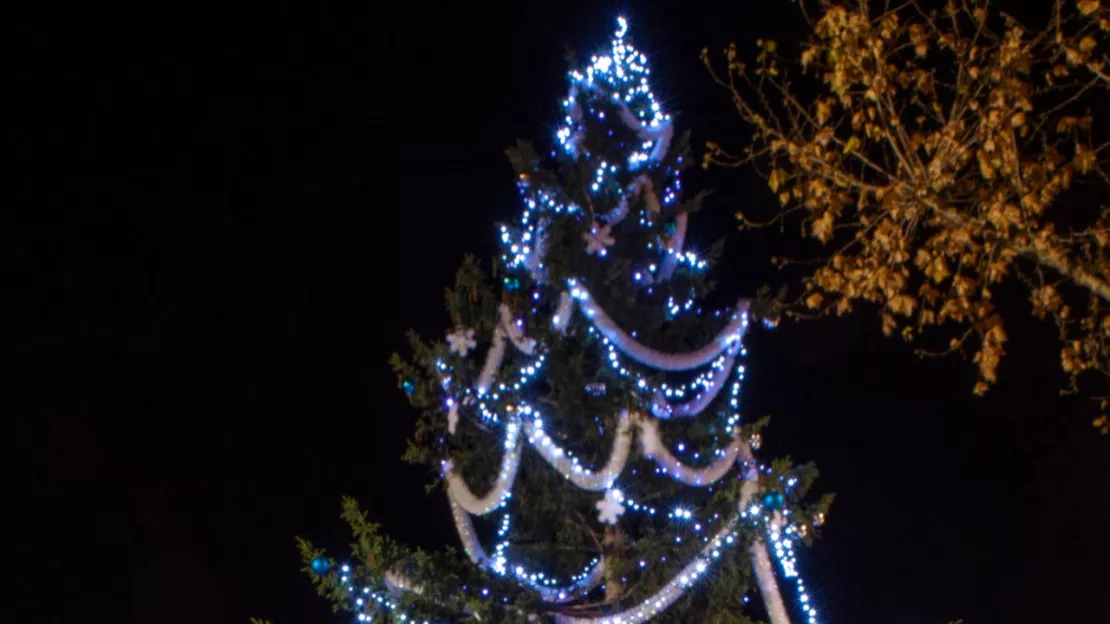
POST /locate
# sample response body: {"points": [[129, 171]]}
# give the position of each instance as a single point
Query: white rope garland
{"points": [[479, 557], [761, 561], [493, 361], [673, 590], [502, 488], [728, 337], [669, 593], [563, 312], [653, 448], [665, 410], [575, 473], [471, 546], [516, 335], [506, 327]]}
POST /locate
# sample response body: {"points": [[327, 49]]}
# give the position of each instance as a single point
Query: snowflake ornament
{"points": [[610, 507], [598, 239], [461, 341]]}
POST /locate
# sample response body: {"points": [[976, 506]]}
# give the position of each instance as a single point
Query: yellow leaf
{"points": [[775, 179], [902, 304], [823, 112], [822, 227], [852, 145], [889, 324], [814, 301], [1086, 7], [1087, 44], [1084, 158], [985, 166], [808, 56]]}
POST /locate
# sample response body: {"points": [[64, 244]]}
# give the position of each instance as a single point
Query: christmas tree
{"points": [[582, 411]]}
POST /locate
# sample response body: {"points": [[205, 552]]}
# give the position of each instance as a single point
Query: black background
{"points": [[222, 220]]}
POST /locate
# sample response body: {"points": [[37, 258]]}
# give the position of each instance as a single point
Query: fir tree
{"points": [[582, 411]]}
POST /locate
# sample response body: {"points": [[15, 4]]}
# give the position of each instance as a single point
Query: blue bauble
{"points": [[408, 387], [774, 500], [320, 565], [511, 283], [670, 228]]}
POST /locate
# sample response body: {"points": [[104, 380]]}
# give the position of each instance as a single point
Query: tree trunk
{"points": [[610, 548]]}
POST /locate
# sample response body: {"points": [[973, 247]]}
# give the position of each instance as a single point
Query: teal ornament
{"points": [[408, 387], [511, 283], [670, 228], [774, 500], [320, 565]]}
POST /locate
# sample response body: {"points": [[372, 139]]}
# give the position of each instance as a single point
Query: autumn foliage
{"points": [[934, 155]]}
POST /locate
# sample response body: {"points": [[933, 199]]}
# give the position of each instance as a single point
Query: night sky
{"points": [[220, 224]]}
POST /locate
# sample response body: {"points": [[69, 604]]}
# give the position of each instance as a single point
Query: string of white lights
{"points": [[569, 467], [506, 327], [665, 410], [673, 590], [761, 562], [548, 589], [502, 488], [653, 447], [514, 330], [623, 76], [493, 361], [728, 336], [467, 535]]}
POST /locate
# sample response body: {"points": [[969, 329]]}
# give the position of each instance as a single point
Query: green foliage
{"points": [[554, 524]]}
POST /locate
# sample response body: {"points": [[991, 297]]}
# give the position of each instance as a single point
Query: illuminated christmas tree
{"points": [[582, 412]]}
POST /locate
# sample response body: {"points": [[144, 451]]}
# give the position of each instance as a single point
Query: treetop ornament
{"points": [[662, 421]]}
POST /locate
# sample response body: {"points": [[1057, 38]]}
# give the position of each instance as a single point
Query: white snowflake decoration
{"points": [[598, 239], [461, 341], [610, 507]]}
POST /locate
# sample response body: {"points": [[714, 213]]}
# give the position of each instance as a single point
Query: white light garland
{"points": [[548, 589], [514, 330], [502, 488], [665, 410], [526, 247], [654, 448], [670, 592], [730, 335], [570, 468], [506, 327], [493, 361]]}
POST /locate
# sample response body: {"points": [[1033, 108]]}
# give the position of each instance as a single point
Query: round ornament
{"points": [[774, 500], [595, 389], [320, 565]]}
